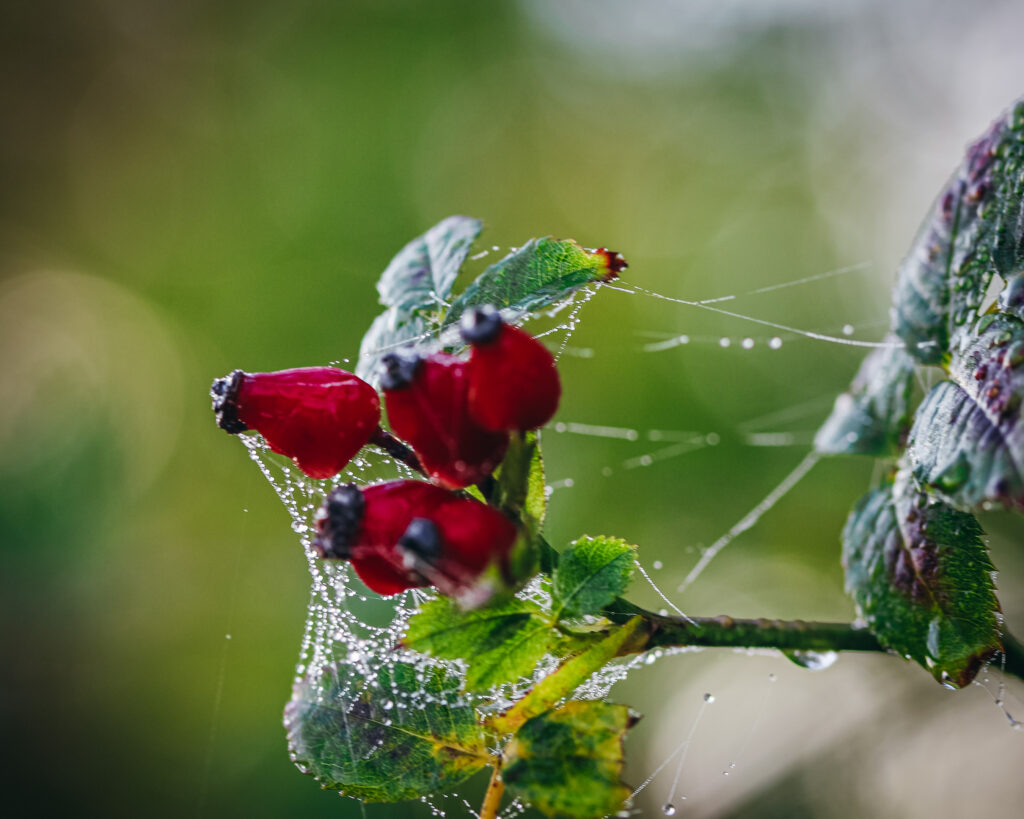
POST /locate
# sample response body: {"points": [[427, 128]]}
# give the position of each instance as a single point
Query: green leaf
{"points": [[873, 417], [422, 274], [500, 644], [398, 736], [619, 640], [568, 761], [592, 572], [975, 230], [392, 329], [967, 444], [922, 578], [537, 276], [521, 490]]}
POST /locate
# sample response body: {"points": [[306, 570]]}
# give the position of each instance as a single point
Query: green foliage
{"points": [[350, 734], [973, 232], [915, 560], [921, 575], [591, 573], [499, 644], [422, 274], [873, 418], [568, 761], [571, 674], [967, 444], [541, 273], [417, 286]]}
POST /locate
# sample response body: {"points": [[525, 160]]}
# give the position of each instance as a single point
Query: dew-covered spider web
{"points": [[352, 637]]}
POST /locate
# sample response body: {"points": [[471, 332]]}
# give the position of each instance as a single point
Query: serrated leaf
{"points": [[591, 573], [967, 443], [537, 276], [873, 417], [975, 230], [500, 644], [922, 578], [399, 736], [604, 647], [392, 329], [422, 273], [568, 761]]}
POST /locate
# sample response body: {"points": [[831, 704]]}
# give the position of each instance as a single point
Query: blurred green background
{"points": [[189, 187]]}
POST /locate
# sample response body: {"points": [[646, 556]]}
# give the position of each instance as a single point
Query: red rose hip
{"points": [[407, 534], [513, 381], [427, 405], [320, 417]]}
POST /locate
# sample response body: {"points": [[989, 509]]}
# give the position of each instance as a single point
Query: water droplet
{"points": [[227, 636], [646, 460], [775, 343], [387, 705], [748, 343], [669, 809], [683, 339], [772, 678], [812, 660], [847, 329], [606, 471], [712, 439], [709, 697], [657, 564], [724, 342]]}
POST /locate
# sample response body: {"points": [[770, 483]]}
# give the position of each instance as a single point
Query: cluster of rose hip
{"points": [[456, 414]]}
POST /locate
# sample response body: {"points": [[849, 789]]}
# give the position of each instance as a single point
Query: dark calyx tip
{"points": [[616, 262], [224, 393], [399, 369], [338, 521], [481, 325], [421, 540]]}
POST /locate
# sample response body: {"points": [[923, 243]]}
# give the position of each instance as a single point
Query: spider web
{"points": [[348, 626]]}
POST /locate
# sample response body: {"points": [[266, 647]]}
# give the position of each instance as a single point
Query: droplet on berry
{"points": [[406, 534], [427, 407], [320, 417], [513, 380]]}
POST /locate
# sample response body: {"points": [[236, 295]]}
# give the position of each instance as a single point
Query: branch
{"points": [[781, 635], [396, 449]]}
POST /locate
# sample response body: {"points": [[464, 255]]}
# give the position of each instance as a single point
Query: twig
{"points": [[495, 790], [396, 449]]}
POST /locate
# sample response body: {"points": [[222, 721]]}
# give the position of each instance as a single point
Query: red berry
{"points": [[513, 381], [407, 534], [320, 417], [427, 406]]}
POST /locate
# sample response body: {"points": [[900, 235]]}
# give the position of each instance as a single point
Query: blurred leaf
{"points": [[592, 572], [967, 444], [568, 761], [521, 487], [422, 274], [921, 575], [975, 230], [499, 644], [537, 276], [872, 418], [400, 737], [392, 329]]}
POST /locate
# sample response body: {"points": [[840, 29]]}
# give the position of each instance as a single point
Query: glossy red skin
{"points": [[472, 537], [320, 417], [513, 382], [432, 415]]}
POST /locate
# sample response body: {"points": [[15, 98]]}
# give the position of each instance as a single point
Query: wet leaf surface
{"points": [[399, 736], [873, 417], [568, 761], [499, 644], [922, 578]]}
